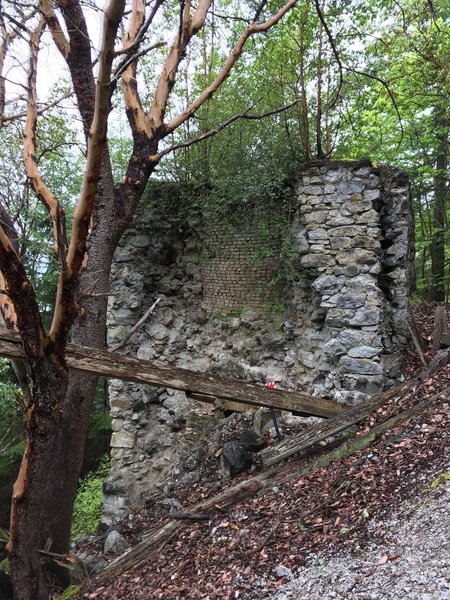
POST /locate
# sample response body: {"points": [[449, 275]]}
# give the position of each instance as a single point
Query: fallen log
{"points": [[108, 364], [154, 539], [317, 433]]}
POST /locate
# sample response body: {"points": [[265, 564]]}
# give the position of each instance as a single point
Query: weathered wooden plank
{"points": [[316, 433], [117, 366], [440, 326], [224, 404]]}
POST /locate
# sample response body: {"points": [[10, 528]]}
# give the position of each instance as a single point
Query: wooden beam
{"points": [[440, 327], [317, 433], [304, 440], [108, 364]]}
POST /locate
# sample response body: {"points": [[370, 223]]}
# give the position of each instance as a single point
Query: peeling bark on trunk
{"points": [[29, 528], [89, 330]]}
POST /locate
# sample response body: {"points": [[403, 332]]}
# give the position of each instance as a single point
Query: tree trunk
{"points": [[30, 528], [439, 218], [89, 330]]}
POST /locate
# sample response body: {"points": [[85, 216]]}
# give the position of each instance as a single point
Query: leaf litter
{"points": [[269, 537]]}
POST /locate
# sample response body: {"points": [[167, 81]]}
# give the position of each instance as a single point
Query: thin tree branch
{"points": [[59, 37], [390, 94], [335, 52], [119, 70], [259, 10], [250, 30], [29, 155], [133, 330], [223, 125], [352, 70], [133, 105], [7, 38], [142, 31], [189, 26]]}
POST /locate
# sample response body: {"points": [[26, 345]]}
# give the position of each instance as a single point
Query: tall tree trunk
{"points": [[439, 218], [90, 330], [319, 149]]}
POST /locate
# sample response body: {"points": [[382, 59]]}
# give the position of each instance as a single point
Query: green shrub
{"points": [[88, 503]]}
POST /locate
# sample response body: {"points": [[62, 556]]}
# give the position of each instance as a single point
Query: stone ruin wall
{"points": [[344, 316], [234, 272]]}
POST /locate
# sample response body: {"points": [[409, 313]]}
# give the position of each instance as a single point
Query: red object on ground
{"points": [[271, 384]]}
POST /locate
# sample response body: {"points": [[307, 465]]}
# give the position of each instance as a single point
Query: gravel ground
{"points": [[412, 562]]}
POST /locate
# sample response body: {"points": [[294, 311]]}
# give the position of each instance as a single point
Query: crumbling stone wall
{"points": [[353, 241], [339, 319]]}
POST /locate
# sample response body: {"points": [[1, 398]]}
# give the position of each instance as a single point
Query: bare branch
{"points": [[259, 10], [119, 70], [350, 69], [136, 327], [6, 39], [59, 37], [388, 90], [39, 111], [335, 53], [142, 31], [29, 155], [133, 105], [235, 53], [188, 27], [220, 127]]}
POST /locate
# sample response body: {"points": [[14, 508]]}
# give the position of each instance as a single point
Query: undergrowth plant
{"points": [[88, 503]]}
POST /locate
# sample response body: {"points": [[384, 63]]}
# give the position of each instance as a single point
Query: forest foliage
{"points": [[364, 79]]}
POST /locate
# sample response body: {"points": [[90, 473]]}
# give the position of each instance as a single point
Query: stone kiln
{"points": [[341, 313]]}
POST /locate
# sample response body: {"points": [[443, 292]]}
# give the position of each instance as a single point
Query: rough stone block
{"points": [[360, 366], [366, 316], [123, 439], [337, 243], [345, 301], [316, 261], [372, 195], [318, 216], [318, 234], [341, 220], [364, 352], [353, 186], [335, 175]]}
